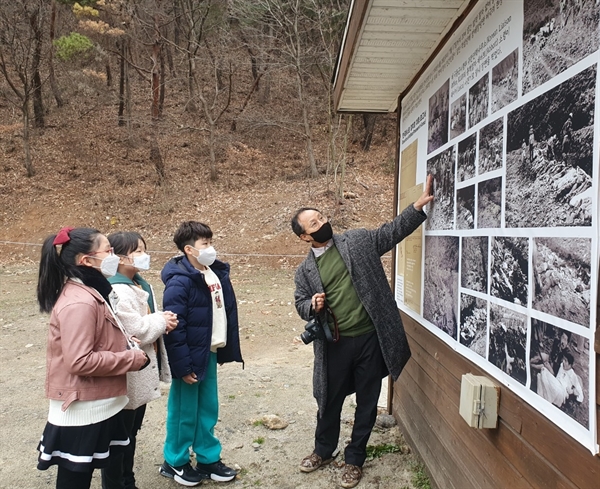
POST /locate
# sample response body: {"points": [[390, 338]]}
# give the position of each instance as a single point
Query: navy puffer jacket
{"points": [[187, 295]]}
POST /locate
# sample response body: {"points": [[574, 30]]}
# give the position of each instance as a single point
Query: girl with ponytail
{"points": [[88, 357]]}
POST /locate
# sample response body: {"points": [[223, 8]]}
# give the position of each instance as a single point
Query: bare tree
{"points": [[194, 20], [36, 20], [20, 56], [215, 99], [51, 75], [299, 36]]}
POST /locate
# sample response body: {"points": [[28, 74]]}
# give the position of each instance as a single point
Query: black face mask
{"points": [[323, 234]]}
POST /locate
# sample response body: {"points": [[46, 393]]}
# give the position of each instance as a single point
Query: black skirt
{"points": [[82, 448]]}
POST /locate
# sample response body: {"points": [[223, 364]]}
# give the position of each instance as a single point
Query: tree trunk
{"points": [[369, 121], [157, 61], [264, 94], [191, 105], [51, 76], [128, 105], [122, 73], [156, 159], [307, 128], [161, 99], [155, 80], [344, 157], [109, 77], [177, 23], [170, 61], [38, 102], [26, 148], [213, 158]]}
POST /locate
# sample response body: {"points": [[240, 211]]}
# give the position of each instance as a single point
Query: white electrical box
{"points": [[479, 401]]}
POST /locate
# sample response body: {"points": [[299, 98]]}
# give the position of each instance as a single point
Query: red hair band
{"points": [[63, 236]]}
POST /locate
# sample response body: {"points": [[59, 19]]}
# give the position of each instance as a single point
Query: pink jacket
{"points": [[87, 355]]}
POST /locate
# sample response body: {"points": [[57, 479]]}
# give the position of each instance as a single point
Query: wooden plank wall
{"points": [[525, 451]]}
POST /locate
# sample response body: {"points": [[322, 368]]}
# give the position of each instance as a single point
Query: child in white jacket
{"points": [[136, 310]]}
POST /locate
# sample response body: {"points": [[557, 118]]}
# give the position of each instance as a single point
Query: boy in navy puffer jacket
{"points": [[199, 291]]}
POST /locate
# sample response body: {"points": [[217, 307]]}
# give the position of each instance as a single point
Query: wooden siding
{"points": [[387, 43], [525, 451]]}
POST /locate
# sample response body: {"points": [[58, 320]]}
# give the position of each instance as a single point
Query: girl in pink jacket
{"points": [[88, 357]]}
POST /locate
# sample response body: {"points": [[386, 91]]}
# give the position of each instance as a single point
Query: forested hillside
{"points": [[137, 114]]}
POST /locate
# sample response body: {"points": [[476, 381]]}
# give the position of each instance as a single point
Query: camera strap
{"points": [[336, 331]]}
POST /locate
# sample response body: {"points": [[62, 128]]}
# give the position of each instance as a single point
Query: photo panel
{"points": [[556, 35], [473, 323], [441, 210], [562, 274], [458, 116], [508, 269], [467, 152], [489, 203], [438, 118], [490, 146], [479, 101], [559, 368], [505, 81], [474, 263], [465, 207], [440, 289], [508, 340], [549, 157], [515, 185]]}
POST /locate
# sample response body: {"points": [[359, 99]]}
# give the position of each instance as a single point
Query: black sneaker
{"points": [[183, 474], [218, 471]]}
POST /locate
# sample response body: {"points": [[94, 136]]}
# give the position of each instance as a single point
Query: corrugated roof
{"points": [[386, 44]]}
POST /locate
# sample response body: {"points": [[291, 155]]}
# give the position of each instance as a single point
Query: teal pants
{"points": [[192, 413]]}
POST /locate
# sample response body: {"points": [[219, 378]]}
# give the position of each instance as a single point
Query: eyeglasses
{"points": [[110, 251]]}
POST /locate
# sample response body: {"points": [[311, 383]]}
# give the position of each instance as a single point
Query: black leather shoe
{"points": [[218, 471]]}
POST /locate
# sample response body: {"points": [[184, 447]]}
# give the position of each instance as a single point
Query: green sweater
{"points": [[340, 294]]}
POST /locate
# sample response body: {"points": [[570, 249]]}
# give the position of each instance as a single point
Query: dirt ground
{"points": [[277, 379]]}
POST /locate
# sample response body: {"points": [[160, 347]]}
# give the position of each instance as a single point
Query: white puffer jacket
{"points": [[132, 311]]}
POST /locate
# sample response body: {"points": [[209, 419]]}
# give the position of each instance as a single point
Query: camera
{"points": [[314, 330]]}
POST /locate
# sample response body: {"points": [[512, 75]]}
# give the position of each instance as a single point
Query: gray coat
{"points": [[361, 250]]}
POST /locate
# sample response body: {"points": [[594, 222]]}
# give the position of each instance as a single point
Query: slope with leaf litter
{"points": [[90, 172]]}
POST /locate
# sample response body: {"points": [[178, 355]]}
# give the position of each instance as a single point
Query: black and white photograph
{"points": [[549, 161], [505, 79], [559, 368], [465, 168], [556, 35], [474, 263], [508, 339], [465, 207], [508, 269], [479, 100], [561, 270], [473, 323], [490, 146], [489, 203], [439, 108], [440, 288], [441, 210], [458, 116]]}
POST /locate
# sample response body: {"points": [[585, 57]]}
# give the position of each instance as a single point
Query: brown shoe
{"points": [[313, 462], [351, 476]]}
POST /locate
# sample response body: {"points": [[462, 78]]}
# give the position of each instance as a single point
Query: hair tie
{"points": [[63, 236]]}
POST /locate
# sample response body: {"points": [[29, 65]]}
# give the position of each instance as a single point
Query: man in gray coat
{"points": [[343, 283]]}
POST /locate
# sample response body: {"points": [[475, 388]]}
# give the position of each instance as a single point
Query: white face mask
{"points": [[109, 265], [142, 262], [206, 256]]}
